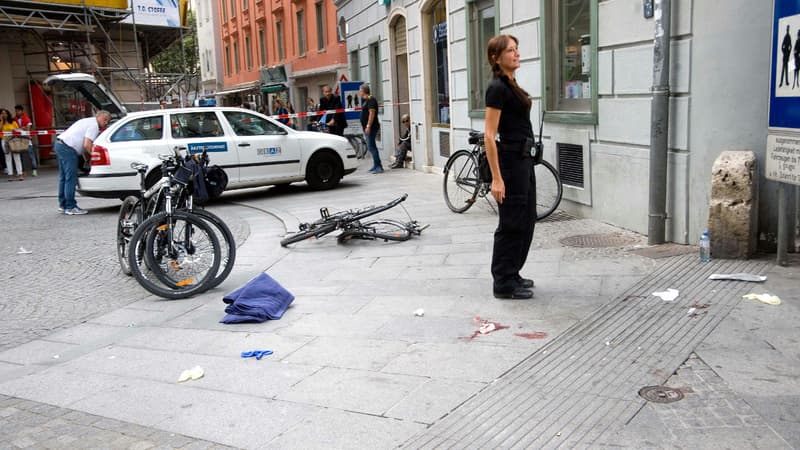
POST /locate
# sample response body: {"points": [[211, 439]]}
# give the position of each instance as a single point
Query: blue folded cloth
{"points": [[260, 299]]}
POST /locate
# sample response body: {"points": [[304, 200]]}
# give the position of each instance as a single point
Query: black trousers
{"points": [[514, 233]]}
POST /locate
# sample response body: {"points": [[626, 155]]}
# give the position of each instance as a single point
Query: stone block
{"points": [[733, 210]]}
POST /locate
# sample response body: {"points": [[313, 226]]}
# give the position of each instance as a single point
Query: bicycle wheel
{"points": [[140, 268], [548, 189], [382, 229], [130, 216], [314, 231], [227, 245], [183, 251], [461, 182], [174, 256]]}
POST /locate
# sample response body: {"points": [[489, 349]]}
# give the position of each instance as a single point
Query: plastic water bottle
{"points": [[705, 247]]}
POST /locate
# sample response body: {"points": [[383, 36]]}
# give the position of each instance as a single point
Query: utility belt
{"points": [[527, 148]]}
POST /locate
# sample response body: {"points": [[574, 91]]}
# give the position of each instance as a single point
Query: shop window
{"points": [[482, 26], [375, 74], [355, 66], [236, 65], [440, 87], [262, 47], [570, 57], [341, 30], [279, 39], [248, 58], [301, 32], [227, 60], [319, 9]]}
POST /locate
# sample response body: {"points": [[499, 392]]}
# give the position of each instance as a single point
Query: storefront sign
{"points": [[165, 13]]}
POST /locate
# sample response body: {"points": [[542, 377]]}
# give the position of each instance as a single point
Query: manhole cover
{"points": [[660, 394], [598, 240]]}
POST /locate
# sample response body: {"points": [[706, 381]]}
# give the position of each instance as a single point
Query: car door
{"points": [[267, 151], [195, 131]]}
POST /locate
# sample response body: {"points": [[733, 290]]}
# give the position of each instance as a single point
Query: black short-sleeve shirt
{"points": [[515, 118], [370, 103]]}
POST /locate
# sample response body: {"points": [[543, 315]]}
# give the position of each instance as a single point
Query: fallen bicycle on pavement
{"points": [[350, 222]]}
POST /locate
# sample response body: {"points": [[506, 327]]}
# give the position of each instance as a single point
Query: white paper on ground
{"points": [[764, 298], [738, 277], [668, 295]]}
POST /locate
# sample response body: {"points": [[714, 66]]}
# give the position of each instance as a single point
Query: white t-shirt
{"points": [[84, 128]]}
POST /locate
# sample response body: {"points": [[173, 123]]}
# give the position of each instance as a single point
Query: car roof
{"points": [[190, 109]]}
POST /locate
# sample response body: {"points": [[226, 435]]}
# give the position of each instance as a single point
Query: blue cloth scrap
{"points": [[262, 298]]}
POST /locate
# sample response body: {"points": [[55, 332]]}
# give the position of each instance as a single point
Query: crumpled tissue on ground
{"points": [[191, 374], [668, 295], [764, 298], [738, 277]]}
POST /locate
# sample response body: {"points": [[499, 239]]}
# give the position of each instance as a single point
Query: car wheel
{"points": [[324, 171]]}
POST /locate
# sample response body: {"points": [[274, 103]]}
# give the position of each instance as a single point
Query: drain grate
{"points": [[598, 240], [660, 394]]}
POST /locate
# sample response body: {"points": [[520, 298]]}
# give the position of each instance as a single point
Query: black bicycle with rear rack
{"points": [[172, 248], [357, 141], [352, 227], [463, 183]]}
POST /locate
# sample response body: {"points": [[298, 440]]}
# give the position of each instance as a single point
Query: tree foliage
{"points": [[170, 61]]}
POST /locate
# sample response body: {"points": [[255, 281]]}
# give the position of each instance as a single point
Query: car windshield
{"points": [[245, 124]]}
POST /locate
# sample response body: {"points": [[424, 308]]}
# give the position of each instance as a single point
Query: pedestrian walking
{"points": [[371, 125], [70, 146], [13, 159], [24, 122], [508, 135]]}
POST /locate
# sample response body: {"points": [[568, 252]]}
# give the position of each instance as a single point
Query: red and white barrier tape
{"points": [[313, 113], [30, 133], [276, 116]]}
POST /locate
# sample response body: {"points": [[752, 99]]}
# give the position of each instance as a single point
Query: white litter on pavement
{"points": [[191, 374], [764, 298], [23, 251], [668, 295], [738, 277], [419, 313]]}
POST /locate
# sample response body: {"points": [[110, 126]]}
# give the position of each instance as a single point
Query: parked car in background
{"points": [[253, 149]]}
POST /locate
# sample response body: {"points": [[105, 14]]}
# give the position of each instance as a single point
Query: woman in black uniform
{"points": [[509, 141]]}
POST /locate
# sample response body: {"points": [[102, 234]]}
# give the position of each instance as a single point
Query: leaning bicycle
{"points": [[352, 227], [463, 184], [173, 249]]}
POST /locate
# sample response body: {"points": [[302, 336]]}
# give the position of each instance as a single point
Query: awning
{"points": [[270, 88], [248, 87]]}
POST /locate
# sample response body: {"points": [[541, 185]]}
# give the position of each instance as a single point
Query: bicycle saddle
{"points": [[475, 137]]}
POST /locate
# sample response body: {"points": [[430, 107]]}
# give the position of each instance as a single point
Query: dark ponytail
{"points": [[495, 47]]}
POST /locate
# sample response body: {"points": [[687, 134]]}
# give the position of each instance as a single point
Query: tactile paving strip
{"points": [[586, 382]]}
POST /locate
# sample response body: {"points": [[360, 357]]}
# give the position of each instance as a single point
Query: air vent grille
{"points": [[570, 164]]}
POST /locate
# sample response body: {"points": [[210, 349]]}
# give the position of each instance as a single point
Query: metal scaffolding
{"points": [[88, 39]]}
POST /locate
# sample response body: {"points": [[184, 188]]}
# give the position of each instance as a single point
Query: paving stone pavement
{"points": [[353, 366], [27, 424]]}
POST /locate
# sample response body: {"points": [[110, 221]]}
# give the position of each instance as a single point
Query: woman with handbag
{"points": [[9, 124]]}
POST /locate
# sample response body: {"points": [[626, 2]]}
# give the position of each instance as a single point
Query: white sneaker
{"points": [[60, 210], [76, 212]]}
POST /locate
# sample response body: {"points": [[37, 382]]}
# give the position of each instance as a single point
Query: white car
{"points": [[254, 150]]}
